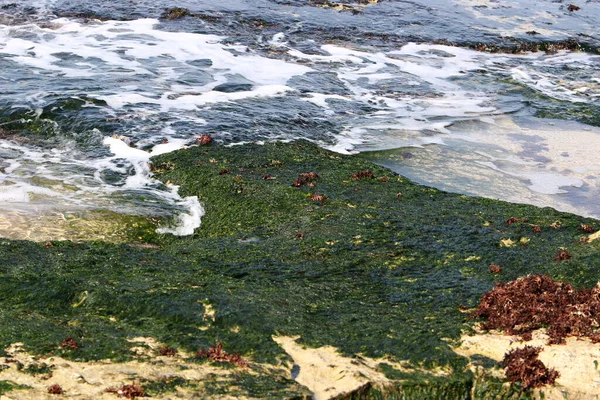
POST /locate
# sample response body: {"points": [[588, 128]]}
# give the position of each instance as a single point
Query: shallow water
{"points": [[92, 90]]}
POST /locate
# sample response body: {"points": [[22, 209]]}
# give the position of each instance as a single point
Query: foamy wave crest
{"points": [[189, 210], [187, 221], [156, 84]]}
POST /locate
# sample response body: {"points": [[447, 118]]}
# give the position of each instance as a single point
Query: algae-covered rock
{"points": [[296, 242]]}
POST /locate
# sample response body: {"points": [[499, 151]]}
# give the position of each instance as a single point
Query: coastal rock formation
{"points": [[377, 280]]}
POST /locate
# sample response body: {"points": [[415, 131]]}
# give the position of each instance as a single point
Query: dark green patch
{"points": [[38, 368], [442, 389], [437, 388], [7, 386], [487, 387], [246, 384], [165, 385]]}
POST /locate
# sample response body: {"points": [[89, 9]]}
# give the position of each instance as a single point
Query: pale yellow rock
{"points": [[594, 236], [326, 373]]}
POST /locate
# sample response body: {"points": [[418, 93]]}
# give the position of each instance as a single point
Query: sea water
{"points": [[105, 95]]}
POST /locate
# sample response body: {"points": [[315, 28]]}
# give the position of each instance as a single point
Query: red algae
{"points": [[128, 391], [362, 174], [216, 353], [522, 364], [531, 302]]}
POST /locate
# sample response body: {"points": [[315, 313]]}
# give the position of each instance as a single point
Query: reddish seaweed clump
{"points": [[167, 351], [562, 255], [216, 353], [523, 365], [531, 302], [512, 220], [55, 389], [495, 268], [305, 178], [317, 197], [204, 139], [362, 174], [586, 228], [69, 342], [128, 391]]}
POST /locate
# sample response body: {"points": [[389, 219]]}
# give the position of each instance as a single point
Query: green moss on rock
{"points": [[7, 386], [380, 267]]}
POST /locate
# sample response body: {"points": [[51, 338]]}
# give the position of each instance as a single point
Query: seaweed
{"points": [[495, 268], [216, 353], [381, 270], [204, 139], [528, 303], [362, 174], [175, 13], [318, 197], [55, 389], [130, 391], [523, 365], [562, 254], [38, 368], [305, 178], [587, 228], [7, 386], [512, 220], [165, 384], [167, 351], [69, 343]]}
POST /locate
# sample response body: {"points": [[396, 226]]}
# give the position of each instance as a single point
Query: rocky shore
{"points": [[312, 274]]}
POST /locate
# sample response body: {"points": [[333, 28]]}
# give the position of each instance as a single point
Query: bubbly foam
{"points": [[163, 88], [158, 63]]}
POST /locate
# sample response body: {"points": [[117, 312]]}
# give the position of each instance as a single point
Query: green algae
{"points": [[38, 368], [488, 387], [245, 384], [167, 384], [7, 386], [381, 267], [443, 389]]}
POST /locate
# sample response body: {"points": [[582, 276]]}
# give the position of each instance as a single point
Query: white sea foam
{"points": [[156, 63], [546, 183], [446, 99], [191, 212], [150, 64], [417, 95], [541, 159], [432, 65], [188, 220], [17, 193]]}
